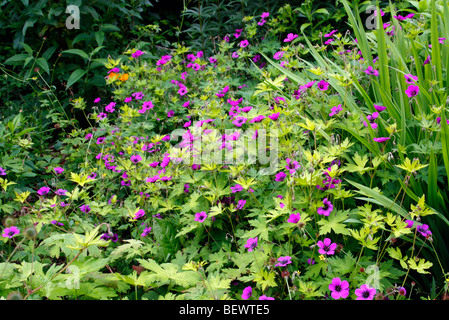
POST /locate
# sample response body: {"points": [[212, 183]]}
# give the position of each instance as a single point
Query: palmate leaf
{"points": [[333, 223], [169, 272]]}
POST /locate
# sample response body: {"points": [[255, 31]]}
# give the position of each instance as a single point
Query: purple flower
{"points": [[410, 223], [326, 247], [424, 230], [100, 140], [200, 216], [410, 79], [243, 43], [283, 261], [264, 297], [371, 118], [290, 37], [323, 85], [294, 218], [381, 139], [247, 293], [137, 53], [146, 232], [85, 208], [43, 191], [427, 60], [58, 170], [280, 176], [236, 188], [257, 119], [278, 55], [412, 91], [335, 110], [274, 116], [326, 209], [365, 292], [10, 232], [61, 192], [251, 243], [139, 214], [370, 70], [292, 165], [379, 108], [340, 289], [241, 204], [136, 158], [239, 121]]}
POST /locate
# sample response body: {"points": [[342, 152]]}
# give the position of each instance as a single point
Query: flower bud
{"points": [[30, 233], [14, 296]]}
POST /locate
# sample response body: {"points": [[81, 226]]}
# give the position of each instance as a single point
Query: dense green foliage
{"points": [[113, 191]]}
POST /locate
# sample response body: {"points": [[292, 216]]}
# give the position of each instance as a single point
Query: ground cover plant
{"points": [[276, 167]]}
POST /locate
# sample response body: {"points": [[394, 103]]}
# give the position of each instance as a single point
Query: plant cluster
{"points": [[249, 172]]}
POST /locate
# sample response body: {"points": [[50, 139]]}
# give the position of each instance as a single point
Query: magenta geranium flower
{"points": [[236, 188], [426, 61], [58, 170], [137, 53], [280, 176], [110, 107], [200, 216], [139, 214], [239, 121], [330, 34], [247, 293], [326, 247], [326, 209], [136, 158], [251, 243], [323, 85], [43, 191], [365, 292], [257, 119], [379, 108], [274, 116], [340, 289], [85, 208], [424, 230], [10, 232], [278, 55], [370, 70], [412, 91], [283, 261], [243, 43], [335, 110], [294, 217], [264, 297], [292, 165], [2, 172], [371, 118], [410, 79], [290, 37], [381, 139], [241, 204], [146, 231]]}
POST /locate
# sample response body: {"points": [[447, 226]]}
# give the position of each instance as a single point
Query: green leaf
{"points": [[75, 77], [333, 223], [17, 58], [41, 62], [77, 52]]}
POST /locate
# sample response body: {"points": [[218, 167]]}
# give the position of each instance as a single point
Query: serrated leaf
{"points": [[333, 223]]}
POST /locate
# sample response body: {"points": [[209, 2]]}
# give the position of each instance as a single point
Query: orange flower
{"points": [[113, 76], [124, 77]]}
